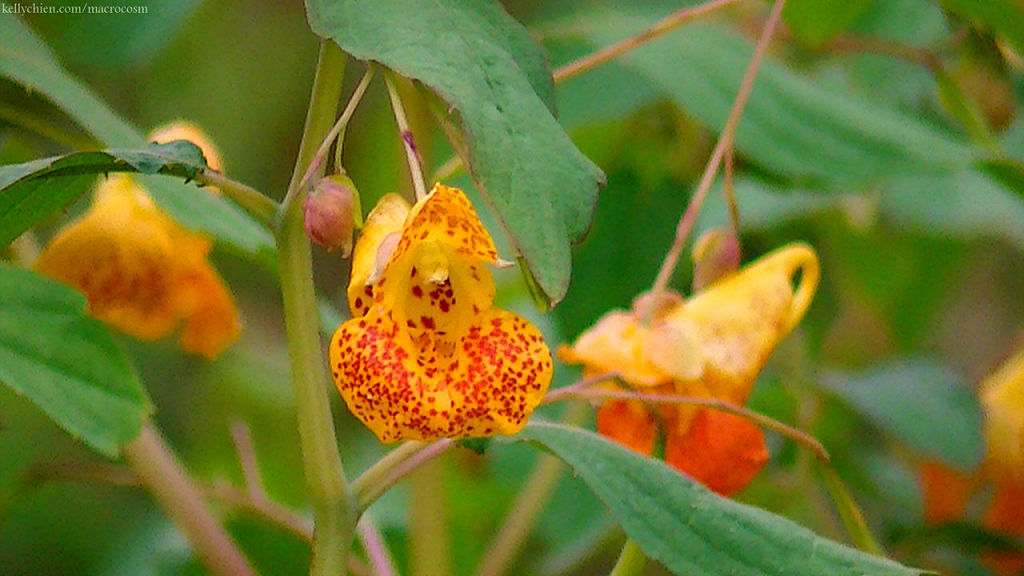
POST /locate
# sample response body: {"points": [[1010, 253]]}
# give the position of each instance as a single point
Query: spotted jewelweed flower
{"points": [[710, 346], [141, 271], [426, 355], [947, 492]]}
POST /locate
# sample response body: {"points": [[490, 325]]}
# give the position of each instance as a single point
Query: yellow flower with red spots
{"points": [[141, 271], [948, 492], [426, 355], [710, 346]]}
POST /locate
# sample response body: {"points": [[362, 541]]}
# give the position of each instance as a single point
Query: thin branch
{"points": [[572, 389], [369, 486], [242, 439], [262, 506], [336, 131], [724, 143], [252, 200], [450, 168], [761, 420], [665, 25], [412, 156], [376, 550], [160, 472]]}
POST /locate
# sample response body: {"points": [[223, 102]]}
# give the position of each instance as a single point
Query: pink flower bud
{"points": [[332, 213], [715, 256]]}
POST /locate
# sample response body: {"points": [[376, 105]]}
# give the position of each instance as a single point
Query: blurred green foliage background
{"points": [[916, 264]]}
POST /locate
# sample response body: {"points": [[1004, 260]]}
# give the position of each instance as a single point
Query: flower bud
{"points": [[715, 255], [332, 213]]}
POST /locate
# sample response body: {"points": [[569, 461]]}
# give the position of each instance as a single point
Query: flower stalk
{"points": [[158, 469], [333, 507], [722, 148]]}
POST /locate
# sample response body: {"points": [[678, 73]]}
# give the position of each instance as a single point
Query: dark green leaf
{"points": [[817, 21], [67, 363], [33, 190], [1006, 17], [689, 529], [792, 125], [472, 54], [26, 60], [920, 402]]}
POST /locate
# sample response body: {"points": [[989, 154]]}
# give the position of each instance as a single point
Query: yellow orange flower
{"points": [[425, 354], [710, 346], [947, 492], [142, 272]]}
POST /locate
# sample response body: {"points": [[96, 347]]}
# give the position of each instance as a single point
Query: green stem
{"points": [[255, 202], [853, 518], [631, 560], [428, 530], [528, 505], [380, 477], [161, 473], [333, 508]]}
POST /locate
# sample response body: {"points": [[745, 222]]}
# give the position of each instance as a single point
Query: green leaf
{"points": [[920, 402], [33, 190], [479, 60], [1006, 17], [967, 205], [818, 21], [25, 59], [792, 125], [691, 530], [66, 363]]}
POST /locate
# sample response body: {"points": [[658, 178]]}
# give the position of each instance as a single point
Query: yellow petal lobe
{"points": [[141, 272], [384, 221], [425, 354]]}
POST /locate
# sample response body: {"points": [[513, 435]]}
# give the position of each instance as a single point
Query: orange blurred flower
{"points": [[947, 492], [141, 271], [425, 354], [710, 346]]}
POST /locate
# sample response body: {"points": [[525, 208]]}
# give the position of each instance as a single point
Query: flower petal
{"points": [[120, 255], [384, 221], [141, 272], [629, 423], [615, 344], [720, 450], [946, 493], [447, 217], [490, 387], [1002, 395], [1006, 515], [742, 318], [211, 318]]}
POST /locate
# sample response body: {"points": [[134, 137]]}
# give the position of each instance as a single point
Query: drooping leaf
{"points": [[66, 363], [486, 67], [33, 190], [792, 125], [26, 60], [689, 529], [923, 403]]}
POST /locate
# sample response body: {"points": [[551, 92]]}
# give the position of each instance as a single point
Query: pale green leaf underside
{"points": [[33, 190], [66, 363], [484, 65], [690, 530]]}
